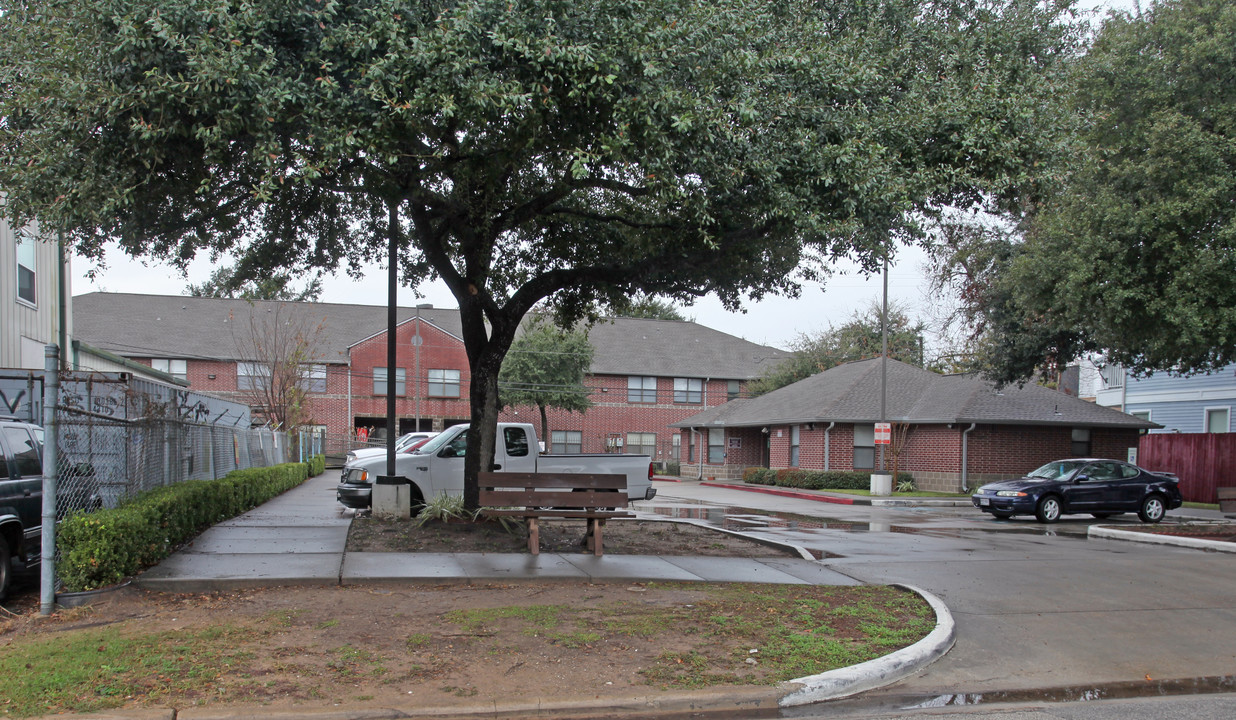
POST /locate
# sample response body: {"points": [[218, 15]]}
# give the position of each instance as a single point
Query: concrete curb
{"points": [[1111, 533], [802, 552], [882, 671]]}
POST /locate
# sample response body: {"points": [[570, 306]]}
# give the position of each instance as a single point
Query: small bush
{"points": [[815, 479], [104, 547]]}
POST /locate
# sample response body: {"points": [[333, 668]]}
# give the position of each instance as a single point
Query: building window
{"points": [[864, 447], [732, 390], [716, 446], [641, 443], [688, 390], [794, 446], [315, 379], [252, 376], [27, 290], [641, 389], [178, 369], [444, 383], [379, 381], [676, 447], [1218, 420], [1081, 442], [570, 442]]}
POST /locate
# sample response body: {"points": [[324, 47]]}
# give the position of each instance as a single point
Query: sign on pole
{"points": [[883, 434]]}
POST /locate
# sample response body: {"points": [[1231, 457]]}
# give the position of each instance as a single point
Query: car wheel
{"points": [[1102, 516], [1048, 509], [6, 567], [1002, 515], [1152, 509]]}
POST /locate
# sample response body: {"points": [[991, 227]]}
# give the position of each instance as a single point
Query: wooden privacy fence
{"points": [[1204, 462]]}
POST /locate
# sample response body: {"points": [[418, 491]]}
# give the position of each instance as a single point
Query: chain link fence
{"points": [[104, 461]]}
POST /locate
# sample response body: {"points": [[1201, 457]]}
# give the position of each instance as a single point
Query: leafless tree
{"points": [[277, 354]]}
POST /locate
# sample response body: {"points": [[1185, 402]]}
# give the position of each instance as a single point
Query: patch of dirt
{"points": [[619, 537], [400, 645]]}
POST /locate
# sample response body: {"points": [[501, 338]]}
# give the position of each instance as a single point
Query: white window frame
{"points": [[1078, 436], [315, 379], [676, 446], [379, 381], [688, 391], [1206, 413], [443, 383], [176, 367], [638, 442], [248, 374], [642, 389], [27, 259], [567, 442], [795, 438], [716, 446], [864, 434]]}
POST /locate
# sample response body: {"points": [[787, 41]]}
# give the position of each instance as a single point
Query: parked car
{"points": [[402, 444], [1084, 485], [436, 468], [21, 497]]}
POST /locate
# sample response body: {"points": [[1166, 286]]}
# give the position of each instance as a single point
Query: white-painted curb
{"points": [[882, 671], [1112, 533]]}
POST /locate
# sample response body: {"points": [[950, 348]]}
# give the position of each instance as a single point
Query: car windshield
{"points": [[435, 444], [1057, 470]]}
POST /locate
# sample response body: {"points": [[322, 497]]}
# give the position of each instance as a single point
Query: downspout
{"points": [[827, 454], [347, 425], [965, 457]]}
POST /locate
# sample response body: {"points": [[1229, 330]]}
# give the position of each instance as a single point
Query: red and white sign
{"points": [[883, 433]]}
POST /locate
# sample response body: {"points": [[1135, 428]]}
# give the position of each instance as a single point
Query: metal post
{"points": [[884, 357], [51, 398]]}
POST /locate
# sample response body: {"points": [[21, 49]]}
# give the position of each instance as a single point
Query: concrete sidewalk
{"points": [[300, 538]]}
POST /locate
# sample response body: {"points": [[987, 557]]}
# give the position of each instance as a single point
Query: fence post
{"points": [[51, 398]]}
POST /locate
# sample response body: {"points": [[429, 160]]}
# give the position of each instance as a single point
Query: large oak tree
{"points": [[568, 151]]}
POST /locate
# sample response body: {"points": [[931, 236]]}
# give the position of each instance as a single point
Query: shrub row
{"points": [[104, 547], [814, 479]]}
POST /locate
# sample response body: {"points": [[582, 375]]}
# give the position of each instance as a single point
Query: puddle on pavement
{"points": [[1078, 693]]}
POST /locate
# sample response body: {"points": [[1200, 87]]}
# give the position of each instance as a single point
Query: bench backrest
{"points": [[553, 490]]}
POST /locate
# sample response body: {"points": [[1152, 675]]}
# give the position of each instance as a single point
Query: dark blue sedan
{"points": [[1100, 487]]}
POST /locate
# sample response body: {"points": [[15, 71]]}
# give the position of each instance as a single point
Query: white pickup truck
{"points": [[437, 467]]}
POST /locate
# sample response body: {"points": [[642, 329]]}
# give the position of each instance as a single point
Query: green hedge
{"points": [[104, 547], [814, 479]]}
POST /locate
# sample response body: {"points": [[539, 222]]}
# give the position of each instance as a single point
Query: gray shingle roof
{"points": [[851, 393], [176, 326]]}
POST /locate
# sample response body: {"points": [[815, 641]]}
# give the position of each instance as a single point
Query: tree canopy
{"points": [[648, 308], [545, 368], [1133, 258], [229, 282], [524, 151], [857, 339]]}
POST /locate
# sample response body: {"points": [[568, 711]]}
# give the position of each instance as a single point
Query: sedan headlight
{"points": [[1010, 493], [357, 475]]}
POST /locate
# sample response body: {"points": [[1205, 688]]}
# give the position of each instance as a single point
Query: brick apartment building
{"points": [[645, 375], [957, 430]]}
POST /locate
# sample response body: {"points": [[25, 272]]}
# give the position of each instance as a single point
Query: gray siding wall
{"points": [[24, 330]]}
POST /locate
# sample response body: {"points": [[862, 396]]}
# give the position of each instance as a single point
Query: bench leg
{"points": [[534, 536], [594, 535]]}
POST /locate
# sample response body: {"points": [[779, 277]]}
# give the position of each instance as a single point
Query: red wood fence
{"points": [[1204, 462]]}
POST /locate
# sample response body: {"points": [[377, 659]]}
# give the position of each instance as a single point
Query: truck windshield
{"points": [[439, 440]]}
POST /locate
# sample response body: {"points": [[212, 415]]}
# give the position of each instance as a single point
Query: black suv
{"points": [[21, 497]]}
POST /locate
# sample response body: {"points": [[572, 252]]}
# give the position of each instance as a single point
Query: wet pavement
{"points": [[1037, 606]]}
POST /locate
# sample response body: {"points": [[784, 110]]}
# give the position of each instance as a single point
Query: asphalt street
{"points": [[1037, 607]]}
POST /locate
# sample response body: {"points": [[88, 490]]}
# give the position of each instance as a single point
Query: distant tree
{"points": [[278, 351], [1133, 258], [859, 338], [545, 368], [226, 282], [649, 308]]}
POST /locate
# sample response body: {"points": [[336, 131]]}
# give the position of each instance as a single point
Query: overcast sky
{"points": [[773, 321]]}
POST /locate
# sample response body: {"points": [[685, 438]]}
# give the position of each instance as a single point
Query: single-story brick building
{"points": [[950, 431]]}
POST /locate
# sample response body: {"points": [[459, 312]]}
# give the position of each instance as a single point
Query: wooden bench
{"points": [[533, 496]]}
